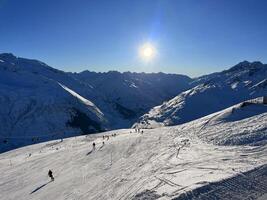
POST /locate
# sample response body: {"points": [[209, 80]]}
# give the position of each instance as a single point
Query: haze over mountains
{"points": [[40, 103]]}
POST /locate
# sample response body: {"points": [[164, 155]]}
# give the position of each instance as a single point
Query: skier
{"points": [[50, 174], [93, 146]]}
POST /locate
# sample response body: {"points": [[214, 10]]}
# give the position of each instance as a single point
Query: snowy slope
{"points": [[223, 156], [37, 105], [210, 93]]}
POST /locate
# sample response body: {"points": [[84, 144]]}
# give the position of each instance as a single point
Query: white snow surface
{"points": [[209, 94], [161, 163]]}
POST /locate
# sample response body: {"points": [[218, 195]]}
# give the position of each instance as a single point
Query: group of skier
{"points": [[137, 130], [107, 136]]}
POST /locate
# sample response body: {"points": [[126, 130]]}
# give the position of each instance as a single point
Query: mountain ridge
{"points": [[38, 100], [210, 93]]}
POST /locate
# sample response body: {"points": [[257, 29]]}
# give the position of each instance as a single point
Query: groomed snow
{"points": [[161, 163]]}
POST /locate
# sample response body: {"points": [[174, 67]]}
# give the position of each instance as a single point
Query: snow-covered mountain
{"points": [[221, 156], [128, 95], [39, 103], [209, 94]]}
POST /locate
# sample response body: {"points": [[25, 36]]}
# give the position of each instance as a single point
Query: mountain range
{"points": [[209, 94], [40, 103]]}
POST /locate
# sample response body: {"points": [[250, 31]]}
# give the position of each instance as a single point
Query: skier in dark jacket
{"points": [[50, 174], [93, 146]]}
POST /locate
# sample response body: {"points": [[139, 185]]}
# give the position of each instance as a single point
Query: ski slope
{"points": [[220, 155]]}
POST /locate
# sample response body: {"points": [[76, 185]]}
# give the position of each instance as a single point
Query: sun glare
{"points": [[147, 51]]}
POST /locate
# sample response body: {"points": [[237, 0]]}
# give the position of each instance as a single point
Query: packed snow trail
{"points": [[248, 185], [137, 166]]}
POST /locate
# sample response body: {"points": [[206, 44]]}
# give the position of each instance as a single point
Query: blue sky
{"points": [[191, 37]]}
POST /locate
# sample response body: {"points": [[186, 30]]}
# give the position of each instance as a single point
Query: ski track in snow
{"points": [[248, 185], [165, 163]]}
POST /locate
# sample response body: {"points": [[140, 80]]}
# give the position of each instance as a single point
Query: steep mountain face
{"points": [[39, 103], [210, 93], [128, 95]]}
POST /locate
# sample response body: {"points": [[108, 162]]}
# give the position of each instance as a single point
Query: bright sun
{"points": [[147, 51]]}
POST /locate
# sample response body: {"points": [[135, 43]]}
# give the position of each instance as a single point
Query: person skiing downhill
{"points": [[50, 174], [93, 146]]}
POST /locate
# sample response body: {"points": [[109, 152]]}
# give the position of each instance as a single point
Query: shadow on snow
{"points": [[38, 188]]}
